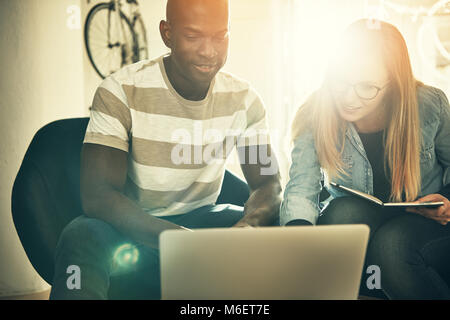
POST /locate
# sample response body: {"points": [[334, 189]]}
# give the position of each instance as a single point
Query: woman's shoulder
{"points": [[431, 101], [301, 125], [306, 136]]}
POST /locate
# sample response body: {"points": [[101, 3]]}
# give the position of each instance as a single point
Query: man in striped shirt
{"points": [[155, 150]]}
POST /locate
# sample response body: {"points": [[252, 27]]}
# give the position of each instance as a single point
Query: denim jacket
{"points": [[301, 195]]}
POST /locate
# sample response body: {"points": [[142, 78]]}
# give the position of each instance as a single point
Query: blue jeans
{"points": [[413, 252], [91, 244]]}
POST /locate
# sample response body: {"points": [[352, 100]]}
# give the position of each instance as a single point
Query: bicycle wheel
{"points": [[108, 54], [141, 36]]}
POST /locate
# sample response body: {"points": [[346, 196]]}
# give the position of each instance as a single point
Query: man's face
{"points": [[199, 38]]}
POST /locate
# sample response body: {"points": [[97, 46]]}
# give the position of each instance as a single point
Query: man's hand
{"points": [[440, 214], [263, 205], [242, 224]]}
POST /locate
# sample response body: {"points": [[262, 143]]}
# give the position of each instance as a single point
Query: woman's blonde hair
{"points": [[319, 115]]}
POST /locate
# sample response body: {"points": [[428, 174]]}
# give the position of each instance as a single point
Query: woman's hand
{"points": [[440, 214]]}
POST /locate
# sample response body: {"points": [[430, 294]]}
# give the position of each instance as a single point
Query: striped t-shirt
{"points": [[177, 148]]}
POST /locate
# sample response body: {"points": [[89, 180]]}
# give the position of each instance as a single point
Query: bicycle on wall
{"points": [[114, 39]]}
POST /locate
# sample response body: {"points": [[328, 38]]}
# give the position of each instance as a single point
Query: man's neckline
{"points": [[184, 101]]}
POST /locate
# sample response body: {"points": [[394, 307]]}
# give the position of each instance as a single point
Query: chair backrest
{"points": [[46, 192]]}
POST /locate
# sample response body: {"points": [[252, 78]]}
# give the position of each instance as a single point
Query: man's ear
{"points": [[165, 30]]}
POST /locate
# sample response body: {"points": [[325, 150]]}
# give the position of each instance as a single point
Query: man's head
{"points": [[197, 33]]}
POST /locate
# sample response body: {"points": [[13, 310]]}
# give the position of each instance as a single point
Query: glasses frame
{"points": [[376, 87]]}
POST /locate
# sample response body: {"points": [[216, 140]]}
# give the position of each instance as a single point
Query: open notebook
{"points": [[386, 204]]}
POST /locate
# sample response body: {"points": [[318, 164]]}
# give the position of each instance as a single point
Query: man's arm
{"points": [[103, 176], [263, 205]]}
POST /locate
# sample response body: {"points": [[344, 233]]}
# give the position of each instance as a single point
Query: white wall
{"points": [[41, 81]]}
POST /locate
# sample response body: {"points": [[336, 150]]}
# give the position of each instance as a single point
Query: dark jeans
{"points": [[92, 244], [413, 252]]}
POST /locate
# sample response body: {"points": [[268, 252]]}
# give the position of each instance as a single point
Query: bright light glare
{"points": [[317, 31], [126, 255]]}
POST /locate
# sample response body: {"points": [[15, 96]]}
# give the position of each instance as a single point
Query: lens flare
{"points": [[126, 255]]}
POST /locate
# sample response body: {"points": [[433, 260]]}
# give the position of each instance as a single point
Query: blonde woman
{"points": [[373, 127]]}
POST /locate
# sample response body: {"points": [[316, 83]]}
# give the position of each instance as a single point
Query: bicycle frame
{"points": [[134, 11], [134, 15], [124, 48], [124, 31]]}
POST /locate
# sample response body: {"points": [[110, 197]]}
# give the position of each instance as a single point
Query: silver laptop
{"points": [[267, 263]]}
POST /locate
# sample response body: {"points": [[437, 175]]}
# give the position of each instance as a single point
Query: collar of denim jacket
{"points": [[354, 139]]}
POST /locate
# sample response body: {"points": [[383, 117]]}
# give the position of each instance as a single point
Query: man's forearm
{"points": [[263, 205], [128, 218]]}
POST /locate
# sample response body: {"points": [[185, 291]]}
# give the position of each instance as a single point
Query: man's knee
{"points": [[85, 234], [230, 214], [215, 216]]}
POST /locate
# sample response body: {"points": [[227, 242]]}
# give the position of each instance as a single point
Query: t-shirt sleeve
{"points": [[110, 117], [256, 131]]}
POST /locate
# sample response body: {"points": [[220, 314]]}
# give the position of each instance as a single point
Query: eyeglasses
{"points": [[363, 90]]}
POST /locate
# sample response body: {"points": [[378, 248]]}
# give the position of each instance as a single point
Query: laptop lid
{"points": [[304, 262]]}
